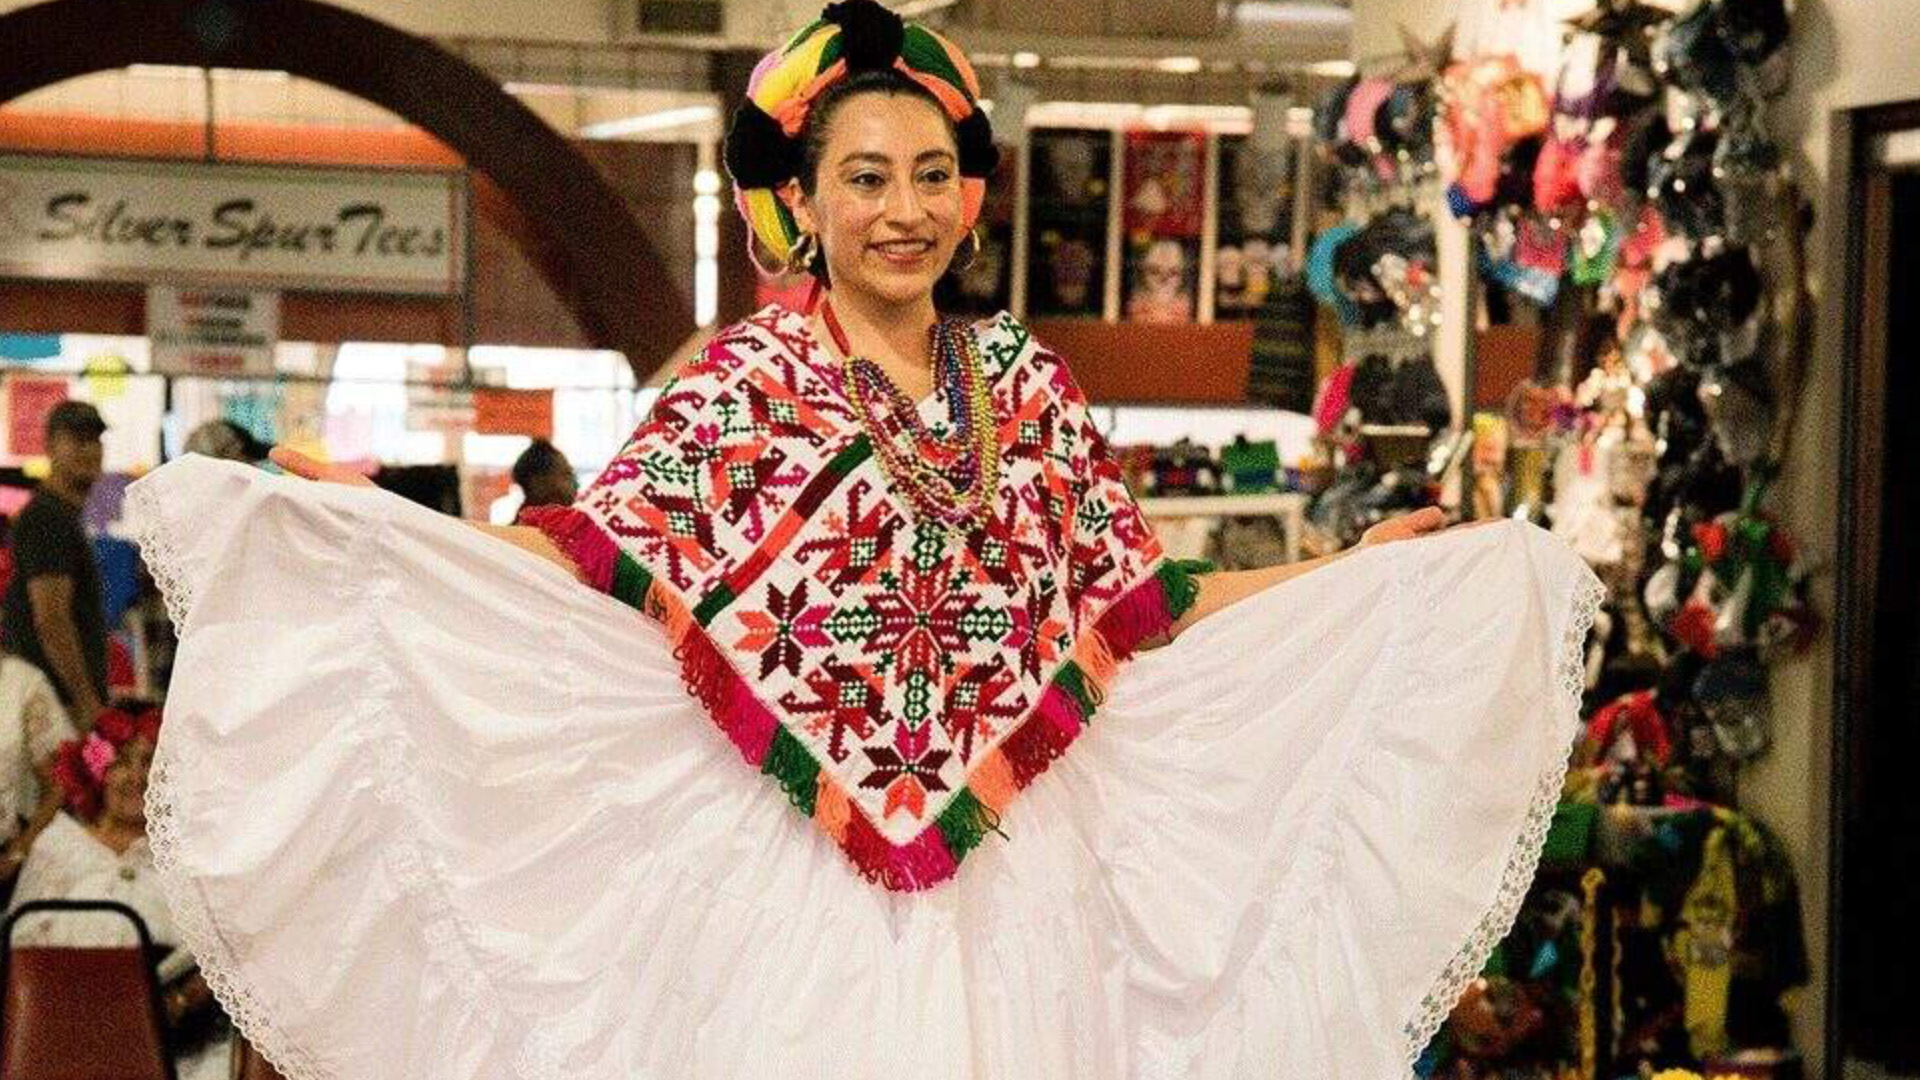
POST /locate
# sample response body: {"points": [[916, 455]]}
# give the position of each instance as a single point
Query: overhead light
{"points": [[654, 121], [256, 75], [1178, 65], [1339, 69], [163, 71], [184, 71], [533, 89], [1293, 13], [920, 9], [1026, 59]]}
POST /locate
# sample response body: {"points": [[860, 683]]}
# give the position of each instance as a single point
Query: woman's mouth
{"points": [[903, 252]]}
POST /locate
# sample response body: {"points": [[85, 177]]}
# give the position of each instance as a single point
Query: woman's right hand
{"points": [[299, 464]]}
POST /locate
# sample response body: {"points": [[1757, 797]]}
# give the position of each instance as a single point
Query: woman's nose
{"points": [[904, 205]]}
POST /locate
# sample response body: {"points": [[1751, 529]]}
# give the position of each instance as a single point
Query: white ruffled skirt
{"points": [[426, 807]]}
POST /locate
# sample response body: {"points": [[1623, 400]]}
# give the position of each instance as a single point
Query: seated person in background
{"points": [[33, 724], [545, 476], [96, 849]]}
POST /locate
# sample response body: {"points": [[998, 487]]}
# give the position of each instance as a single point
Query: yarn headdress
{"points": [[763, 148]]}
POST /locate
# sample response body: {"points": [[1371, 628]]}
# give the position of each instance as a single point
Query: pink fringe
{"points": [[1140, 615], [919, 864], [593, 552], [727, 697], [1044, 736], [1058, 708]]}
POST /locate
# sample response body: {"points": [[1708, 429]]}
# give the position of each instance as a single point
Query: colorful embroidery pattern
{"points": [[901, 679]]}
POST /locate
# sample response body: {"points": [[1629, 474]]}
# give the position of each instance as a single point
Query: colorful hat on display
{"points": [[763, 147]]}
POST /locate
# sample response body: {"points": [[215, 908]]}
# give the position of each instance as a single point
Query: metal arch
{"points": [[615, 283]]}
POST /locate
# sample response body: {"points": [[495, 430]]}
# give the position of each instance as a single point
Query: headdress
{"points": [[80, 765], [763, 148]]}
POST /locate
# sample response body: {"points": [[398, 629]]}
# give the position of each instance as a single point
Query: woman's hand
{"points": [[1404, 527], [307, 468]]}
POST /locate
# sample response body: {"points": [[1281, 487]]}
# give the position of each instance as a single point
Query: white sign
{"points": [[212, 331], [190, 223]]}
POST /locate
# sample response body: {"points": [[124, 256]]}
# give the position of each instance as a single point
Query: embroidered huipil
{"points": [[900, 679]]}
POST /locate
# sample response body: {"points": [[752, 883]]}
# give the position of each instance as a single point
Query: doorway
{"points": [[1876, 816]]}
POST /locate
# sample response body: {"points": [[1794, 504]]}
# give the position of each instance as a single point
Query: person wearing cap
{"points": [[855, 724], [53, 615]]}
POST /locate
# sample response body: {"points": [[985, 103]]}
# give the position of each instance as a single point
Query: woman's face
{"points": [[126, 783], [886, 202]]}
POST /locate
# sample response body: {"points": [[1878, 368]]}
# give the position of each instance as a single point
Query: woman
{"points": [[33, 724], [96, 849], [435, 810]]}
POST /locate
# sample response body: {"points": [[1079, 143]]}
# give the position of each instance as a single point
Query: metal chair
{"points": [[80, 1013]]}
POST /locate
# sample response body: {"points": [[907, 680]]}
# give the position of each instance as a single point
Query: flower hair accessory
{"points": [[80, 765], [763, 147]]}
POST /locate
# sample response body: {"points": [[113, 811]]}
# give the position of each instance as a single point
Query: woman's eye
{"points": [[935, 176], [867, 180]]}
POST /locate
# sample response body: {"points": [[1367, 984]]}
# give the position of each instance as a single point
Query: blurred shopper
{"points": [[53, 615]]}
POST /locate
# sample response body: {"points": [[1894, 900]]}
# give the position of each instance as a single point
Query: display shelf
{"points": [[1289, 506], [1274, 504]]}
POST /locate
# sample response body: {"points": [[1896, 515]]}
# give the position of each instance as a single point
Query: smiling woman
{"points": [[497, 823]]}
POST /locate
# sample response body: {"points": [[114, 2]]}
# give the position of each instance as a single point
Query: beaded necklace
{"points": [[949, 478]]}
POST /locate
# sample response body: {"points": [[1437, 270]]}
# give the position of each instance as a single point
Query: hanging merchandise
{"points": [[1494, 108], [1643, 220]]}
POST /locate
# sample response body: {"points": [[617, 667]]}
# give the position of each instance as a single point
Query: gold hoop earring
{"points": [[800, 257], [973, 254]]}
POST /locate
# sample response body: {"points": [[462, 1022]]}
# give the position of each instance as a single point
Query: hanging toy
{"points": [[1732, 692], [1749, 592]]}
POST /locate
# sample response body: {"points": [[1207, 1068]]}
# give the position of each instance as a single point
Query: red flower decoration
{"points": [[77, 788], [1712, 538], [115, 725]]}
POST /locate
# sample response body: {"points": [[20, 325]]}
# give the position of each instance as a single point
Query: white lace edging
{"points": [[157, 551], [199, 929], [1524, 861], [414, 870]]}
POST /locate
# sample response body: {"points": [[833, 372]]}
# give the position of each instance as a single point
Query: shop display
{"points": [[1066, 262], [1625, 189], [1163, 210]]}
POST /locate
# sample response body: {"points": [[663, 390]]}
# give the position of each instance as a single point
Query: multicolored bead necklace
{"points": [[949, 478]]}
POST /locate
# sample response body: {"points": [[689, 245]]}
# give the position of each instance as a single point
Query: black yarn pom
{"points": [[758, 152], [870, 35], [978, 154]]}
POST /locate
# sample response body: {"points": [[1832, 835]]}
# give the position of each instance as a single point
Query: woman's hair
{"points": [[775, 137], [538, 459], [819, 122]]}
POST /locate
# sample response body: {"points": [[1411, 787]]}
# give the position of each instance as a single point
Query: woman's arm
{"points": [[1219, 591], [526, 538]]}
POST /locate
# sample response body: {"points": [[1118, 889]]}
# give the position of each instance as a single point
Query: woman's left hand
{"points": [[1405, 527]]}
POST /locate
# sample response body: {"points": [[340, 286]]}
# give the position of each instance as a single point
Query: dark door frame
{"points": [[614, 280], [1857, 259]]}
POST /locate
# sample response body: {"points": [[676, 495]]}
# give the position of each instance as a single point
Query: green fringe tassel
{"points": [[631, 581], [965, 822], [1180, 579], [797, 773], [1074, 681]]}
